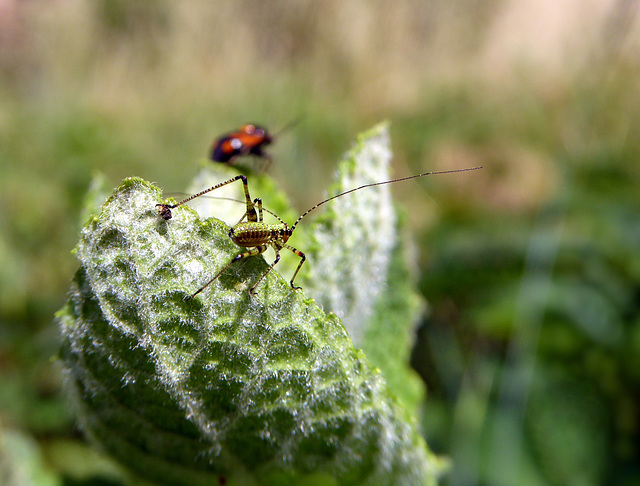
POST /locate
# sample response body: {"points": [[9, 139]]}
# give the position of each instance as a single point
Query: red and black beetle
{"points": [[250, 139]]}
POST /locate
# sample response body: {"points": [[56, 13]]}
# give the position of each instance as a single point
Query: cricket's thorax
{"points": [[251, 234]]}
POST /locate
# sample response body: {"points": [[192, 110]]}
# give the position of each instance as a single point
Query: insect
{"points": [[256, 236], [249, 139]]}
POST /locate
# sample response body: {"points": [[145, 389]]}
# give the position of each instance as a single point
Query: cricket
{"points": [[256, 236]]}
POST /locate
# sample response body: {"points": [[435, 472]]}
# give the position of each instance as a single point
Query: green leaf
{"points": [[359, 266], [225, 387], [354, 238]]}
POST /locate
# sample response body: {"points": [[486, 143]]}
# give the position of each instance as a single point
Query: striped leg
{"points": [[252, 290], [251, 252], [302, 260]]}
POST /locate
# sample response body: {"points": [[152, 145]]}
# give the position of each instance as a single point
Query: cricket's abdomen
{"points": [[250, 234]]}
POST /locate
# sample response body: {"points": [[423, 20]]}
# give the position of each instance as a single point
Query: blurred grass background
{"points": [[531, 348]]}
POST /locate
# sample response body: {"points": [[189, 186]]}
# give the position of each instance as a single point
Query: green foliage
{"points": [[21, 463], [130, 89], [574, 310], [262, 390]]}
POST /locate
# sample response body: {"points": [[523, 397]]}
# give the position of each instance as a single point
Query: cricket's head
{"points": [[165, 211], [286, 233]]}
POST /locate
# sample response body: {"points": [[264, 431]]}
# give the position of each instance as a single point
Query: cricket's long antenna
{"points": [[378, 184]]}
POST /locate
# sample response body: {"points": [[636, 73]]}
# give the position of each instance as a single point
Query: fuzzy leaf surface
{"points": [[225, 387]]}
